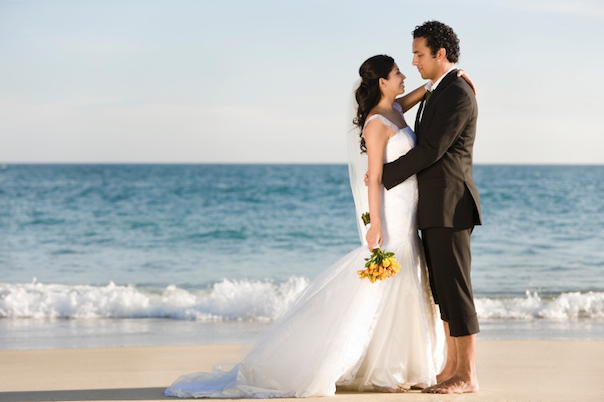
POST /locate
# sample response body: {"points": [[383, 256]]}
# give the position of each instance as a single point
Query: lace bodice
{"points": [[401, 142]]}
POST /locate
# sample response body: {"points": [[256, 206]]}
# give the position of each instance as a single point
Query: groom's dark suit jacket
{"points": [[442, 158]]}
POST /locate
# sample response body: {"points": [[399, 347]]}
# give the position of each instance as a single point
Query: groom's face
{"points": [[426, 64]]}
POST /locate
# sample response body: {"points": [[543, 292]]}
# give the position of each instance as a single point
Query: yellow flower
{"points": [[387, 266]]}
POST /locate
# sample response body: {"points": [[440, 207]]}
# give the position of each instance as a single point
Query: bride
{"points": [[342, 330]]}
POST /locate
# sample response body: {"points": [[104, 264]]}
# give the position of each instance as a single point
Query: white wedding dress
{"points": [[342, 330]]}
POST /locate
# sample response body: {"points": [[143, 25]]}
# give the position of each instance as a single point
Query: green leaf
{"points": [[366, 218]]}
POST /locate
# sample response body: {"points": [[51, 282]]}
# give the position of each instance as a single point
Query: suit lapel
{"points": [[419, 113], [433, 99]]}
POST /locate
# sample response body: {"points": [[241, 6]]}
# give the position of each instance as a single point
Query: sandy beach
{"points": [[510, 370]]}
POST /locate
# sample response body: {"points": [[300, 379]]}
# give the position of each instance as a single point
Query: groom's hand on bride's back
{"points": [[366, 179]]}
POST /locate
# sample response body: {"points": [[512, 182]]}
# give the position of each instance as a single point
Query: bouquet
{"points": [[380, 265]]}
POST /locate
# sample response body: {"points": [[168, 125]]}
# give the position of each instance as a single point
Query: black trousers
{"points": [[449, 260]]}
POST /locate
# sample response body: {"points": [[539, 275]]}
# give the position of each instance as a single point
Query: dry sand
{"points": [[515, 370]]}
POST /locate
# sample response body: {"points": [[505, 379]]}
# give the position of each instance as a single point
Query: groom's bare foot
{"points": [[454, 385], [393, 390], [445, 374]]}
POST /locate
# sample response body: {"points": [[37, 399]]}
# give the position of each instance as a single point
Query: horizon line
{"points": [[6, 164]]}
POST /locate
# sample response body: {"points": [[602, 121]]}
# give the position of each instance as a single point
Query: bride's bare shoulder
{"points": [[376, 129]]}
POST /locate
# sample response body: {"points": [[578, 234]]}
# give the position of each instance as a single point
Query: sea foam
{"points": [[566, 306], [225, 300], [244, 300]]}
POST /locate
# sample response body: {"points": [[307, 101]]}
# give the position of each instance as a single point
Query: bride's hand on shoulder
{"points": [[374, 236], [463, 74]]}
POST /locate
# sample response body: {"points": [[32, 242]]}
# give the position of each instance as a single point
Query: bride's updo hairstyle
{"points": [[368, 94]]}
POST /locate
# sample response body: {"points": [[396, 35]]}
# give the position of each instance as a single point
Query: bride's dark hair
{"points": [[368, 94]]}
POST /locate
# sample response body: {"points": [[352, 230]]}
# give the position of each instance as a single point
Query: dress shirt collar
{"points": [[433, 85]]}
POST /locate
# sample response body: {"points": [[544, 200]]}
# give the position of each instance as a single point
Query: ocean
{"points": [[124, 255]]}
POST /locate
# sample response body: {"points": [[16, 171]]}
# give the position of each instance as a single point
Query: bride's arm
{"points": [[376, 137], [464, 74], [414, 97]]}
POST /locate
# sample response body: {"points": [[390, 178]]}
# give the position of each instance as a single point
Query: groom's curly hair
{"points": [[439, 35]]}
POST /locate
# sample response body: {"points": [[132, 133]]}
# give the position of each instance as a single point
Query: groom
{"points": [[449, 206]]}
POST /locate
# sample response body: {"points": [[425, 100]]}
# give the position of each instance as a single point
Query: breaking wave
{"points": [[245, 300]]}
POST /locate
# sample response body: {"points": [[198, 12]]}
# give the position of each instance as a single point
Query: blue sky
{"points": [[269, 81]]}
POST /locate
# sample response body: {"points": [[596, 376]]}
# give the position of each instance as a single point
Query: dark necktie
{"points": [[423, 106], [428, 95]]}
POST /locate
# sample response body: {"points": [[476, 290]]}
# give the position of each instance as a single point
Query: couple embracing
{"points": [[417, 329]]}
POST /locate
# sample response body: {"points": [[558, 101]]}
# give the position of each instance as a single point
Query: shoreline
{"points": [[60, 333], [509, 370]]}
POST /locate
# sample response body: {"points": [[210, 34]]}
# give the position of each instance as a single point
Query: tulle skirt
{"points": [[340, 331]]}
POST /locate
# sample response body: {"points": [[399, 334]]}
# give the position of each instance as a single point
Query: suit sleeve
{"points": [[452, 112]]}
